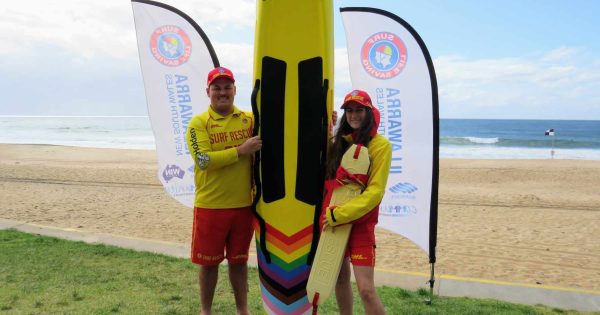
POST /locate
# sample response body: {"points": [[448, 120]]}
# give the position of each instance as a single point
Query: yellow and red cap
{"points": [[219, 72], [359, 96]]}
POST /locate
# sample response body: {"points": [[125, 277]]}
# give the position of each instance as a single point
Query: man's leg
{"points": [[365, 281], [238, 245], [207, 277], [343, 289], [238, 276]]}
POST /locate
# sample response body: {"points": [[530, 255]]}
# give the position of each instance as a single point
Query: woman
{"points": [[358, 125]]}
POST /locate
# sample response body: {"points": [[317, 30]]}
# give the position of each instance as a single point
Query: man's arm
{"points": [[199, 144]]}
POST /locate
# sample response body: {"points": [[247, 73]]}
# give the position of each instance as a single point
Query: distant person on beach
{"points": [[221, 144], [358, 125]]}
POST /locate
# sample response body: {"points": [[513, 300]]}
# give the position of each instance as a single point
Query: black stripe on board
{"points": [[272, 110], [311, 106]]}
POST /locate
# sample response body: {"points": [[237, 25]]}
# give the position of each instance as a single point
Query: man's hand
{"points": [[250, 146], [334, 117]]}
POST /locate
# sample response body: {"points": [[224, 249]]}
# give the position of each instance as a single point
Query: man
{"points": [[221, 144]]}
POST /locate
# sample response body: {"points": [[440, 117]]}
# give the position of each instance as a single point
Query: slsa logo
{"points": [[383, 55], [170, 45]]}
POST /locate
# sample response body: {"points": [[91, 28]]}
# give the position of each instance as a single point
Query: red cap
{"points": [[219, 72], [358, 96]]}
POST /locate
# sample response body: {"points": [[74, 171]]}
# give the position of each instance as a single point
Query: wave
{"points": [[468, 140], [520, 143]]}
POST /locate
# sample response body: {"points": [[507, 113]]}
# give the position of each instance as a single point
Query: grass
{"points": [[43, 275]]}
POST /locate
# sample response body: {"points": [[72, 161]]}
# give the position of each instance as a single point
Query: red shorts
{"points": [[221, 233], [361, 245]]}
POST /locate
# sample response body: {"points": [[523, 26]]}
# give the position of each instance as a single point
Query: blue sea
{"points": [[459, 138]]}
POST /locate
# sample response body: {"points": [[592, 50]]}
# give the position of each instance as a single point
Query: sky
{"points": [[510, 59]]}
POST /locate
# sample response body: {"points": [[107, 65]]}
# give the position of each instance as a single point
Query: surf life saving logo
{"points": [[170, 45], [383, 55]]}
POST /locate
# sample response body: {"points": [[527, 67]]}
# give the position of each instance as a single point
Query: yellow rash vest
{"points": [[223, 180], [380, 155]]}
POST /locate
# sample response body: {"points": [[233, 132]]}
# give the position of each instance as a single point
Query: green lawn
{"points": [[43, 275]]}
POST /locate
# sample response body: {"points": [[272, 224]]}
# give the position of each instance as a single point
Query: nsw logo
{"points": [[170, 45], [172, 171], [405, 188], [383, 55]]}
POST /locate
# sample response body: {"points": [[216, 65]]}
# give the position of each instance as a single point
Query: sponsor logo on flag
{"points": [[172, 171], [406, 188], [397, 210]]}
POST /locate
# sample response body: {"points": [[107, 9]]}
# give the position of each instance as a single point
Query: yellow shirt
{"points": [[223, 180], [380, 155]]}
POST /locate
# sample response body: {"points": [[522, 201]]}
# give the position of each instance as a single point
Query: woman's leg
{"points": [[365, 281], [343, 289]]}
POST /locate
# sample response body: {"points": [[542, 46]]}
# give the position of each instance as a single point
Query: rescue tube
{"points": [[332, 243]]}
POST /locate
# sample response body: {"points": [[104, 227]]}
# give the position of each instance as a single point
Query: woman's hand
{"points": [[324, 223]]}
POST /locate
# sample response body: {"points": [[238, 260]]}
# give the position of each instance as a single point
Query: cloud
{"points": [[90, 28], [566, 78], [342, 76], [77, 26], [237, 56], [88, 42], [220, 14]]}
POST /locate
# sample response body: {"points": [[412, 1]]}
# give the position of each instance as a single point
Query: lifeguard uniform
{"points": [[363, 210], [222, 212]]}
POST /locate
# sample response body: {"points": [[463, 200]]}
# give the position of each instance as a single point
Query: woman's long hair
{"points": [[338, 145]]}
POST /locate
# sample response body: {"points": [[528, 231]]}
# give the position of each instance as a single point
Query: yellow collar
{"points": [[216, 116]]}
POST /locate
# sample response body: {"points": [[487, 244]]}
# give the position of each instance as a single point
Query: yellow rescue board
{"points": [[292, 103]]}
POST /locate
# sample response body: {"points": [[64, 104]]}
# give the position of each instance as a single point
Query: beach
{"points": [[534, 222]]}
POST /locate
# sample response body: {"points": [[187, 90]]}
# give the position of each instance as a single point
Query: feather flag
{"points": [[389, 60], [175, 54]]}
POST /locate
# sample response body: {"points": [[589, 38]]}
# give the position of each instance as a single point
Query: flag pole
{"points": [[550, 133], [552, 150], [431, 282]]}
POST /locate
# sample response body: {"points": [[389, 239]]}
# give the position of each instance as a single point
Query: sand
{"points": [[534, 222]]}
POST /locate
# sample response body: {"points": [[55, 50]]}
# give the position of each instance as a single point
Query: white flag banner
{"points": [[175, 56], [389, 60]]}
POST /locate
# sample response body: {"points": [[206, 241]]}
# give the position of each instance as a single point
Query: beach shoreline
{"points": [[522, 221]]}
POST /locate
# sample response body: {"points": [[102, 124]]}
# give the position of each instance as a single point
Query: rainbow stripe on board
{"points": [[292, 105], [283, 280]]}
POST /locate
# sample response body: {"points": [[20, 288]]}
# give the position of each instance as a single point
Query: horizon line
{"points": [[147, 116], [75, 116]]}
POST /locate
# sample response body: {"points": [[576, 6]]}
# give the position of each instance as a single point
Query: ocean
{"points": [[120, 132], [459, 138]]}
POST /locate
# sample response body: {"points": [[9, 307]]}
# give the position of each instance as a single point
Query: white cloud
{"points": [[342, 68], [220, 14], [91, 28], [562, 77], [342, 76], [91, 40], [85, 27], [561, 54], [237, 56]]}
